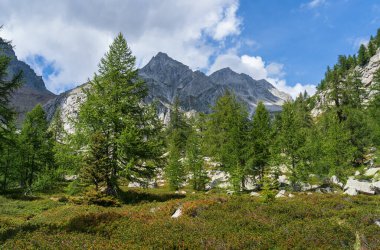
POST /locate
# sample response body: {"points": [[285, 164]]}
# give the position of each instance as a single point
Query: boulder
{"points": [[308, 187], [283, 179], [250, 184], [371, 171], [376, 187], [280, 194], [70, 177], [351, 191], [360, 186], [177, 213], [377, 222], [291, 195], [255, 194], [334, 180], [217, 179]]}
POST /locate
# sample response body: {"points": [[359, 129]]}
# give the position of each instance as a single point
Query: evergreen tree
{"points": [[371, 47], [114, 108], [97, 168], [7, 87], [333, 151], [291, 140], [177, 134], [36, 147], [363, 56], [175, 171], [194, 161], [9, 157], [260, 141], [226, 137]]}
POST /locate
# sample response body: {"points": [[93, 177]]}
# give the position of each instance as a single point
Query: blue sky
{"points": [[308, 38], [288, 42]]}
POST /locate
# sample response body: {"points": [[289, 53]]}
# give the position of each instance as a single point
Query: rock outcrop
{"points": [[33, 90]]}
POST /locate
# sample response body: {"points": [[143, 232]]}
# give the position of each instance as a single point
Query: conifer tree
{"points": [[258, 146], [226, 137], [194, 161], [363, 55], [36, 147], [114, 108], [177, 134], [7, 87]]}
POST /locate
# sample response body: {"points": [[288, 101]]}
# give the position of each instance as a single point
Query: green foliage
{"points": [[259, 141], [291, 145], [226, 136], [247, 223], [268, 189], [113, 108], [177, 133], [7, 87], [194, 161], [363, 56], [36, 146]]}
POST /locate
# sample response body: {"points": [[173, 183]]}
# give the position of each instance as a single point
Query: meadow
{"points": [[213, 220]]}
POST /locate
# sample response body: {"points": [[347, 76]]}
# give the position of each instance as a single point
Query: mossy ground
{"points": [[211, 221]]}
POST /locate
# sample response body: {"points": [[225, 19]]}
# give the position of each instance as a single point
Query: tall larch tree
{"points": [[114, 108]]}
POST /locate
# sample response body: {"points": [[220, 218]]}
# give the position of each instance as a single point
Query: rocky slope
{"points": [[366, 72], [167, 78], [33, 90]]}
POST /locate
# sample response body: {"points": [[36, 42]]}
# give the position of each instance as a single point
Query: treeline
{"points": [[118, 137]]}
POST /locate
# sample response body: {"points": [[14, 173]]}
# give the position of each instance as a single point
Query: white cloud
{"points": [[313, 4], [356, 42], [257, 68], [76, 34], [73, 35]]}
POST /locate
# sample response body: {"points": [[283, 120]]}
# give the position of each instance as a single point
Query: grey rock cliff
{"points": [[33, 90], [167, 78]]}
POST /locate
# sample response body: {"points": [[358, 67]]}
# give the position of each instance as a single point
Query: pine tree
{"points": [[363, 55], [7, 87], [9, 157], [36, 147], [291, 140], [260, 140], [97, 169], [226, 137], [194, 161], [371, 47], [177, 134], [175, 170], [114, 108]]}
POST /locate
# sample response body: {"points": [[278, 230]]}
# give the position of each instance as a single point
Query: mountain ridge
{"points": [[32, 92]]}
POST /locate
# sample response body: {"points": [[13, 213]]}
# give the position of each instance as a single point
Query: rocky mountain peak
{"points": [[33, 90]]}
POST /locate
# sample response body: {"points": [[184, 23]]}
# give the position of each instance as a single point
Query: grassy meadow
{"points": [[214, 220]]}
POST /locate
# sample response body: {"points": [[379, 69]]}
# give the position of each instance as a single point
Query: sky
{"points": [[290, 43]]}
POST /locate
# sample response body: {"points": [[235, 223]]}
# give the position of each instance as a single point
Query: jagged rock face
{"points": [[167, 79], [249, 90], [368, 71], [33, 90]]}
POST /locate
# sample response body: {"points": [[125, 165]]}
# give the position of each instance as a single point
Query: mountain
{"points": [[33, 90], [167, 78]]}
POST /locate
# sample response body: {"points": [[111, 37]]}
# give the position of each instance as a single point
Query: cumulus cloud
{"points": [[258, 69], [76, 34]]}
